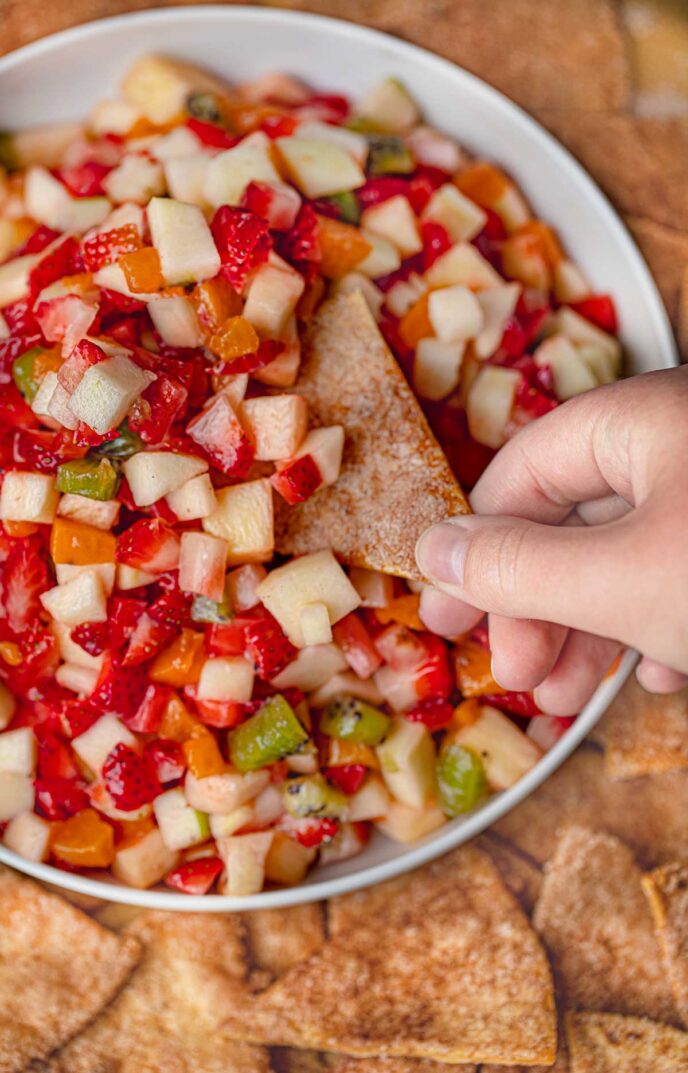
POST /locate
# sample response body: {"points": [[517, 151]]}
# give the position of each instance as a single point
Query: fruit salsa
{"points": [[177, 704]]}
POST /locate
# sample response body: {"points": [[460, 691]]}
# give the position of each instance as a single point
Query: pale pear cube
{"points": [[455, 314], [180, 825], [80, 600], [145, 862], [18, 751], [572, 375], [64, 572], [230, 172], [437, 368], [159, 87], [137, 179], [46, 390], [231, 822], [581, 332], [29, 836], [384, 256], [70, 651], [404, 824], [178, 142], [325, 446], [315, 578], [183, 240], [219, 795], [226, 678], [371, 802], [344, 684], [235, 387], [186, 176], [244, 517], [277, 424], [374, 589], [202, 564], [112, 277], [318, 167], [175, 321], [498, 305], [195, 499], [271, 298], [512, 209], [356, 145], [287, 862], [284, 369], [570, 285], [505, 751], [128, 213], [434, 149], [347, 843], [274, 86], [463, 264], [315, 624], [49, 202], [405, 293], [113, 117], [458, 215], [59, 408], [356, 281], [154, 474], [395, 221], [14, 278], [407, 763], [390, 106], [106, 392], [28, 497], [99, 514], [599, 362], [244, 859], [242, 586], [77, 678], [312, 668], [489, 404], [129, 577], [95, 744], [17, 795], [8, 706]]}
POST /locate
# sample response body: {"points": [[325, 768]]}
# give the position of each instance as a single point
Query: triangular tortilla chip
{"points": [[648, 814], [291, 1061], [667, 891], [281, 938], [58, 968], [169, 1016], [451, 972], [645, 733], [522, 875], [597, 927], [609, 1043], [666, 252], [395, 479]]}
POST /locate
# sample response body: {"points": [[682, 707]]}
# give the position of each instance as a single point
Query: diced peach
{"points": [[74, 542], [342, 247]]}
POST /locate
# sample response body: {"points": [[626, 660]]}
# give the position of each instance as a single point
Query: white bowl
{"points": [[61, 76]]}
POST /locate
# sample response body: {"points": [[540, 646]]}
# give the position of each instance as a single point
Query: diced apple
{"points": [[145, 862], [230, 172], [489, 404], [64, 572], [202, 564], [100, 514], [383, 258], [159, 87], [70, 651], [180, 824], [49, 202], [356, 281], [195, 499], [571, 373], [17, 795], [318, 167], [95, 744], [29, 836], [407, 763], [234, 388], [178, 142], [186, 177], [137, 179], [271, 298], [315, 624], [599, 362], [219, 795], [244, 859], [325, 446], [277, 424], [128, 577], [28, 497], [287, 861], [497, 305], [437, 367], [77, 678], [506, 753], [374, 589], [404, 824], [371, 802], [395, 221], [356, 145], [226, 678], [113, 117], [154, 474], [346, 684], [435, 150], [231, 822], [570, 285], [183, 240], [128, 213], [80, 600], [304, 763], [45, 145], [175, 320], [14, 278], [106, 392], [244, 518], [274, 86], [405, 293], [463, 264], [582, 332], [45, 392], [511, 207], [8, 706], [59, 407], [454, 313], [242, 586], [278, 203], [460, 217], [18, 751], [284, 369], [315, 578], [312, 668], [389, 106], [347, 843]]}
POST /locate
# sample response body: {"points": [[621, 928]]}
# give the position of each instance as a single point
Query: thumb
{"points": [[576, 577]]}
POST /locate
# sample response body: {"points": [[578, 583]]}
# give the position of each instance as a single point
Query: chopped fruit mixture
{"points": [[176, 705]]}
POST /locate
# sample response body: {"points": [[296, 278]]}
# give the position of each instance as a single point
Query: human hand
{"points": [[578, 545]]}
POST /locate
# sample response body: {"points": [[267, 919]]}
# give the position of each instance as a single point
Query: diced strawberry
{"points": [[146, 719], [434, 714], [93, 637], [84, 436], [149, 544], [279, 126], [298, 480], [124, 613], [433, 679], [226, 639], [64, 260], [600, 310], [15, 412], [357, 645], [108, 246], [40, 659], [125, 330], [172, 607], [436, 241], [268, 645], [23, 577], [375, 191], [481, 635], [514, 703], [20, 318], [84, 180], [243, 242], [58, 799], [300, 245], [220, 714], [423, 184], [279, 205], [112, 302], [309, 833], [44, 451], [467, 457], [54, 756], [347, 777], [161, 404], [195, 877], [411, 264], [129, 778], [167, 758], [77, 717], [219, 432], [267, 351], [148, 638], [117, 691], [494, 229], [325, 107], [66, 320], [210, 134], [84, 355], [37, 241]]}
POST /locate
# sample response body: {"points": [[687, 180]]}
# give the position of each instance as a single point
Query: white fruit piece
{"points": [[128, 213], [437, 367], [305, 763], [154, 474], [14, 278], [356, 281], [44, 145], [384, 257], [389, 106], [545, 731], [346, 684], [137, 179], [180, 825], [397, 686], [454, 313], [347, 843], [570, 285], [277, 424], [325, 446], [244, 860], [230, 172], [221, 794], [407, 763], [581, 332], [271, 298], [231, 822], [105, 393], [128, 577], [395, 221], [80, 600], [318, 167], [315, 624], [497, 305], [160, 87], [186, 177], [235, 387], [46, 390], [64, 572], [113, 117], [202, 564], [244, 517], [374, 589], [599, 362], [315, 578], [312, 668], [179, 142], [242, 586], [17, 795], [356, 145], [463, 264], [77, 678], [59, 407], [511, 207], [28, 497], [460, 217], [287, 861], [183, 240], [96, 743], [506, 753], [18, 751], [226, 678], [195, 499], [99, 514], [29, 836], [404, 824], [70, 651], [571, 373], [371, 802], [145, 862], [49, 202], [284, 369], [435, 150], [112, 277], [8, 706], [489, 404], [101, 799], [274, 86], [175, 320], [405, 293]]}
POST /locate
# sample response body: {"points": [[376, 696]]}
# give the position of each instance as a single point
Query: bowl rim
{"points": [[410, 856]]}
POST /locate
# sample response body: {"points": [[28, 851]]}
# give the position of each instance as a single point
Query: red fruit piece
{"points": [[433, 679], [149, 544], [44, 451], [279, 126], [267, 351], [268, 645], [84, 180], [20, 318], [375, 191], [58, 799], [436, 241], [227, 639], [64, 260], [40, 659], [172, 608], [243, 242], [15, 412], [400, 647], [37, 242], [434, 714], [54, 757], [219, 432], [220, 714], [357, 645], [309, 833], [326, 107], [93, 637], [148, 638], [347, 777], [300, 244], [600, 310], [146, 719], [161, 404], [112, 303], [84, 355], [297, 480], [129, 778], [195, 877], [167, 759], [117, 691], [514, 703], [279, 205], [124, 614], [210, 134], [23, 577], [108, 246], [77, 717]]}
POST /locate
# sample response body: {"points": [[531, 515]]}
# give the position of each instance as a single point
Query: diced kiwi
{"points": [[352, 719], [460, 778], [313, 796], [389, 155]]}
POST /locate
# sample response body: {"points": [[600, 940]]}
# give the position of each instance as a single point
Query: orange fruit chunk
{"points": [[203, 757], [215, 301], [178, 724], [342, 247], [403, 609], [180, 663], [473, 669], [142, 270], [84, 840], [415, 325], [482, 183], [79, 544], [234, 339]]}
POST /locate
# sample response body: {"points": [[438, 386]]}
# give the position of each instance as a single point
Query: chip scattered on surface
{"points": [[395, 479], [609, 1043], [58, 968], [521, 875], [645, 733], [280, 938], [667, 891]]}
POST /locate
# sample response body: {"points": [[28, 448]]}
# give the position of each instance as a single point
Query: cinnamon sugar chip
{"points": [[609, 1043], [169, 1017], [667, 891], [645, 732], [291, 1061], [451, 972], [395, 479], [666, 252], [280, 938], [522, 875], [58, 968], [597, 927]]}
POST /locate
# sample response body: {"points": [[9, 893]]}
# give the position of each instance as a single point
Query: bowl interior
{"points": [[61, 76]]}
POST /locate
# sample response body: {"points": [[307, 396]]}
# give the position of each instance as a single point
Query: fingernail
{"points": [[441, 552]]}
